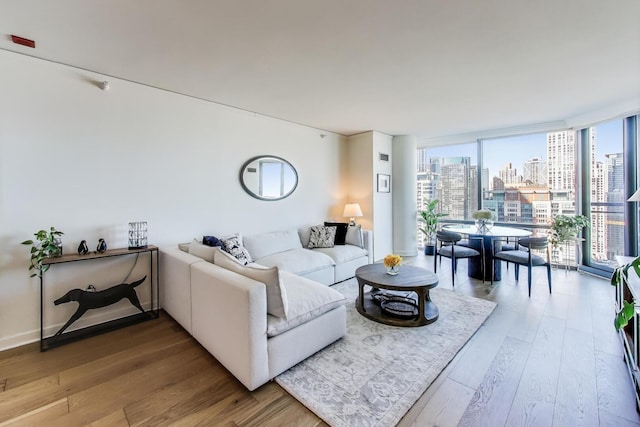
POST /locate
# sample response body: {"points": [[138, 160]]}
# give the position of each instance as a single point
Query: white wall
{"points": [[405, 211], [364, 166], [382, 202], [88, 162]]}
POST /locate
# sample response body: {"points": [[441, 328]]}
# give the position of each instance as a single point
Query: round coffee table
{"points": [[410, 279]]}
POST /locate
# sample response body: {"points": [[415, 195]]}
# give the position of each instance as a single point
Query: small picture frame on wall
{"points": [[384, 183]]}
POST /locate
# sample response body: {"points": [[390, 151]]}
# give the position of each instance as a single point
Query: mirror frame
{"points": [[259, 197]]}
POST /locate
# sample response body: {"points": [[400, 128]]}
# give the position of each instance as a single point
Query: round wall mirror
{"points": [[268, 178]]}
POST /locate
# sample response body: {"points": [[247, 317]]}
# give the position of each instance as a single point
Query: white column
{"points": [[403, 186]]}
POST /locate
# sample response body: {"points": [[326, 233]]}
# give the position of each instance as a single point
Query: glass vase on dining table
{"points": [[484, 225]]}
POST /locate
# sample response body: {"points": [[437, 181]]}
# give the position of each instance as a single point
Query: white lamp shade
{"points": [[635, 197], [352, 210]]}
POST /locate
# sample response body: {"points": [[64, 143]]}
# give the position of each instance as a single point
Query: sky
{"points": [[517, 150]]}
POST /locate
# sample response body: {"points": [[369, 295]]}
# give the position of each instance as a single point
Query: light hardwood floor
{"points": [[549, 360]]}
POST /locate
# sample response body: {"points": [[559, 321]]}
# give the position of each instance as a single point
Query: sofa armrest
{"points": [[175, 283], [230, 321], [367, 240]]}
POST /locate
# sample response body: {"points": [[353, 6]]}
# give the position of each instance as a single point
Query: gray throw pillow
{"points": [[201, 251], [322, 237], [354, 236], [277, 304]]}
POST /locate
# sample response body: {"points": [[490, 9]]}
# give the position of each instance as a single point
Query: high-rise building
{"points": [[422, 160], [535, 171], [614, 220], [453, 188], [561, 160], [598, 211], [509, 175]]}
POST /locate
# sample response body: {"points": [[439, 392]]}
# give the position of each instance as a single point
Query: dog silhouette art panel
{"points": [[88, 300]]}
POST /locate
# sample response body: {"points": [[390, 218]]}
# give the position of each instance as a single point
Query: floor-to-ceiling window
{"points": [[516, 183], [528, 179], [450, 175], [607, 194]]}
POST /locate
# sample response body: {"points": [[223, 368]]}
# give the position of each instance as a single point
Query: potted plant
{"points": [[48, 245], [622, 273], [566, 227], [430, 218]]}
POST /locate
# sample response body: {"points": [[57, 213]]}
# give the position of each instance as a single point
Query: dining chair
{"points": [[446, 246], [524, 256], [507, 244]]}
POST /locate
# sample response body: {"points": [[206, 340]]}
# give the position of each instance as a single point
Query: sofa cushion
{"points": [[233, 245], [277, 302], [307, 300], [261, 245], [201, 251], [354, 236], [341, 231], [342, 254], [304, 233], [322, 237], [298, 261]]}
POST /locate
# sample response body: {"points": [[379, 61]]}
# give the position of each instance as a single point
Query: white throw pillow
{"points": [[233, 246], [201, 251], [354, 236], [277, 304], [322, 237]]}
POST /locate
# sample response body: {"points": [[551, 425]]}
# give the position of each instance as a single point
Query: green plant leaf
{"points": [[622, 318]]}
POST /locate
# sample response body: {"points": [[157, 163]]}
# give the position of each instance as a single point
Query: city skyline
{"points": [[500, 151], [536, 193]]}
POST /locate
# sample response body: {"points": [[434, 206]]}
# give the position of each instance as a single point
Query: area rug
{"points": [[375, 374]]}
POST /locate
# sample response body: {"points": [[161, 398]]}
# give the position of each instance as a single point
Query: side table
{"points": [[410, 279]]}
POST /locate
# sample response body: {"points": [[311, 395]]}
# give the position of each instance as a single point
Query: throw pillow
{"points": [[341, 231], [233, 246], [201, 251], [322, 237], [354, 236], [277, 304], [211, 241]]}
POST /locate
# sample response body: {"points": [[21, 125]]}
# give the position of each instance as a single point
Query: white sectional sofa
{"points": [[260, 319]]}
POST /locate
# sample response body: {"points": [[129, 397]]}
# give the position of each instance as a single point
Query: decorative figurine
{"points": [[102, 246], [83, 249], [91, 299]]}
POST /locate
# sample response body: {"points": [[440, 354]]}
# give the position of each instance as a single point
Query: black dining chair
{"points": [[446, 246], [525, 256], [507, 244]]}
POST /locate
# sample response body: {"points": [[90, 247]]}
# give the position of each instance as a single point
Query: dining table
{"points": [[491, 239]]}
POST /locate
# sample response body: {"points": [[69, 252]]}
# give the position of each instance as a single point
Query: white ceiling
{"points": [[430, 68]]}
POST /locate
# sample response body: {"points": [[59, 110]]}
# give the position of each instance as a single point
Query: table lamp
{"points": [[352, 210]]}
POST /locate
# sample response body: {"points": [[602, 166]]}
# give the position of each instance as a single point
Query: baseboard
{"points": [[7, 343]]}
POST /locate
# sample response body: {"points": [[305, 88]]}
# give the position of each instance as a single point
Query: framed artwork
{"points": [[384, 183]]}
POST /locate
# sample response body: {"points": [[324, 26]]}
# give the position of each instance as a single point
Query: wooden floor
{"points": [[549, 360]]}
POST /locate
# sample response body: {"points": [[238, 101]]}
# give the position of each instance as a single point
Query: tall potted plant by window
{"points": [[430, 218], [566, 227]]}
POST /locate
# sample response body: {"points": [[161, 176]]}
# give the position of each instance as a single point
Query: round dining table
{"points": [[492, 239]]}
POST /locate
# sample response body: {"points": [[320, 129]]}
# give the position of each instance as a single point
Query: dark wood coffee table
{"points": [[410, 279]]}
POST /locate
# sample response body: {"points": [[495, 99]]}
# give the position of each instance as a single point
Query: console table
{"points": [[71, 336]]}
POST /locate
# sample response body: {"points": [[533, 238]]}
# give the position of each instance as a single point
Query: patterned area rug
{"points": [[375, 374]]}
